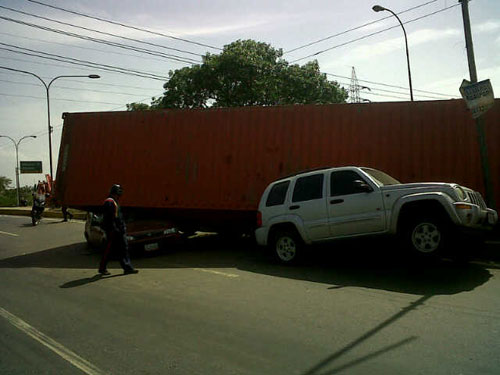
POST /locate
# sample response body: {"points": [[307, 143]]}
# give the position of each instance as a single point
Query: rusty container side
{"points": [[222, 159]]}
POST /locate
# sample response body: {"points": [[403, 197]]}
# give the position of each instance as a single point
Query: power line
{"points": [[376, 89], [65, 100], [124, 25], [85, 48], [102, 41], [69, 88], [99, 32], [90, 64], [374, 33], [357, 27], [394, 92], [82, 63], [385, 95], [63, 66], [394, 86], [329, 74], [401, 12], [69, 80]]}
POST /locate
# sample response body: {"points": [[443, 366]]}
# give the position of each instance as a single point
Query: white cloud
{"points": [[487, 27], [369, 51], [220, 29]]}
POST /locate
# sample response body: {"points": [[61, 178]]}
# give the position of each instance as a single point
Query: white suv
{"points": [[332, 203]]}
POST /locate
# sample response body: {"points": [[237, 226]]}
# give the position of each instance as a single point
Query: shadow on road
{"points": [[320, 367], [350, 265], [87, 280]]}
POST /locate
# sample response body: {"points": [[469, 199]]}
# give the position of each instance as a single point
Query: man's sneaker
{"points": [[104, 272], [128, 272]]}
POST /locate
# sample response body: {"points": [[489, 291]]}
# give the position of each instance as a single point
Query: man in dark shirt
{"points": [[116, 233]]}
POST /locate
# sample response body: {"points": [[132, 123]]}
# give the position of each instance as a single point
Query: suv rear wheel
{"points": [[287, 246]]}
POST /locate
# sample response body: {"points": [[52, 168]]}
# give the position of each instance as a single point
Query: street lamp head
{"points": [[33, 136], [94, 76], [378, 8]]}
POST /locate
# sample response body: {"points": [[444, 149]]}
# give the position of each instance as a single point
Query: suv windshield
{"points": [[381, 178]]}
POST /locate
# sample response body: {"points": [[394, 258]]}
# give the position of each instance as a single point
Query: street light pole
{"points": [[378, 8], [47, 87], [16, 145]]}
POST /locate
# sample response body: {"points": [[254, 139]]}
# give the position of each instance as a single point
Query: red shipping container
{"points": [[217, 162]]}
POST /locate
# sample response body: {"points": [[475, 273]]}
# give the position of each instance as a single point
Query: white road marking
{"points": [[53, 345], [220, 273], [9, 234], [216, 272]]}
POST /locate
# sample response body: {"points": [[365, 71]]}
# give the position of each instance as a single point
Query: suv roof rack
{"points": [[305, 171]]}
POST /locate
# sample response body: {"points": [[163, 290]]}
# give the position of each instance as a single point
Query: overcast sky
{"points": [[436, 41]]}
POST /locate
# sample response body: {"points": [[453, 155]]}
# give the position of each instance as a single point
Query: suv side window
{"points": [[277, 194], [342, 183], [308, 188]]}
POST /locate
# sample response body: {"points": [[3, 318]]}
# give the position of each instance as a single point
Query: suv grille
{"points": [[477, 199]]}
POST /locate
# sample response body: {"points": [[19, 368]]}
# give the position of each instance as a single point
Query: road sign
{"points": [[31, 166], [478, 96]]}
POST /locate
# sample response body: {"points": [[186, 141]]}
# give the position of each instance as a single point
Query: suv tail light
{"points": [[259, 219]]}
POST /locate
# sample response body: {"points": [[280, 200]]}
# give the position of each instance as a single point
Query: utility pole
{"points": [[480, 126], [16, 145], [354, 88]]}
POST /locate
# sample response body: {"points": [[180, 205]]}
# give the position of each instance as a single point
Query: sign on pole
{"points": [[478, 96], [31, 166]]}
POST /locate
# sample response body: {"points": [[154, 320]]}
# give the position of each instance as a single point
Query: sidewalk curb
{"points": [[47, 213]]}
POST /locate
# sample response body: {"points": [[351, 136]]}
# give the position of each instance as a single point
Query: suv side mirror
{"points": [[362, 187]]}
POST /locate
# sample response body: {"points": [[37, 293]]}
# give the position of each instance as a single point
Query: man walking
{"points": [[116, 233], [66, 213]]}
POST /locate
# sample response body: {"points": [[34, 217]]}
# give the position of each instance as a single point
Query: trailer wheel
{"points": [[287, 246]]}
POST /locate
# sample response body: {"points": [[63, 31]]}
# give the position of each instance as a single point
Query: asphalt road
{"points": [[209, 306]]}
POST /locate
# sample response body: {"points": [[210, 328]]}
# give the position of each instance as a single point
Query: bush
{"points": [[8, 198]]}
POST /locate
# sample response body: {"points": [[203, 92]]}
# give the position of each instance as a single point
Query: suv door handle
{"points": [[336, 201], [294, 207]]}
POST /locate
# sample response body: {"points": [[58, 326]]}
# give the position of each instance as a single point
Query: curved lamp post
{"points": [[47, 87], [16, 145], [378, 8]]}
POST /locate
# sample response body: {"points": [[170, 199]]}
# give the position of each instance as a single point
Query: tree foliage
{"points": [[4, 183], [138, 107], [247, 73]]}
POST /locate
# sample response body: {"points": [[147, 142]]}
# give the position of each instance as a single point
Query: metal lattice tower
{"points": [[354, 88]]}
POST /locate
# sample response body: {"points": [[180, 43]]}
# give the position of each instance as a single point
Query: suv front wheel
{"points": [[425, 236], [287, 246]]}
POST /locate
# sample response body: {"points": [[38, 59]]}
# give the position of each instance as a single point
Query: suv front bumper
{"points": [[473, 216]]}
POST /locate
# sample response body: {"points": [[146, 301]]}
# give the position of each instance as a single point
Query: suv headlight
{"points": [[462, 196]]}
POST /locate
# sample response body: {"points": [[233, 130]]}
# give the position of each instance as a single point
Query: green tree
{"points": [[248, 73], [4, 183], [138, 107]]}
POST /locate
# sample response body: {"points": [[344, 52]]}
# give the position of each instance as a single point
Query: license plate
{"points": [[151, 246]]}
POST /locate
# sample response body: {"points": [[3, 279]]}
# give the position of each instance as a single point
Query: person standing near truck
{"points": [[116, 233]]}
